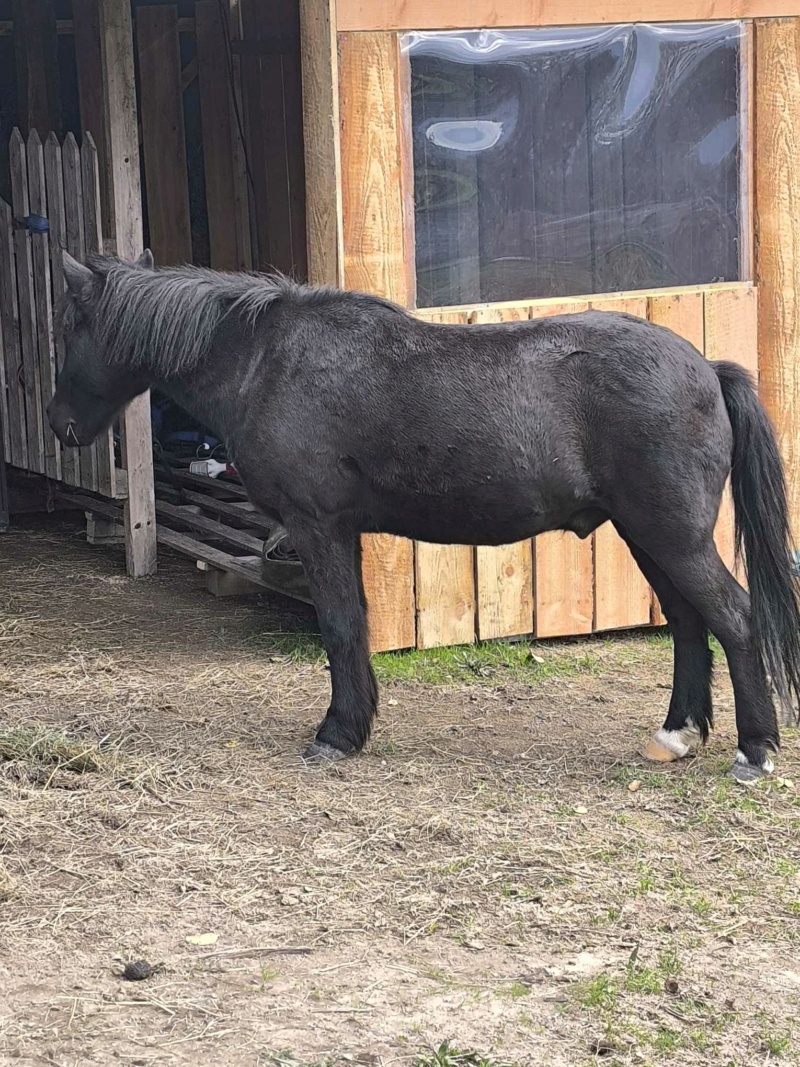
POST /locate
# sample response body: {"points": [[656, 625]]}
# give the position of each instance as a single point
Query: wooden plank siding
{"points": [[777, 196], [622, 596], [445, 576], [376, 260], [163, 137], [89, 70], [504, 575], [392, 15], [579, 586], [731, 333], [270, 64], [224, 177]]}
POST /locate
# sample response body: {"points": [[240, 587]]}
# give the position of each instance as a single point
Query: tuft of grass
{"points": [[776, 1043], [448, 1055], [599, 993], [665, 1039], [50, 749]]}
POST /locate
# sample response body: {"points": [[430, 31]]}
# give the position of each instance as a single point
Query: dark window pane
{"points": [[561, 162]]}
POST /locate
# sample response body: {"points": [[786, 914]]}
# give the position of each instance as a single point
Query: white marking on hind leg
{"points": [[668, 745], [768, 766]]}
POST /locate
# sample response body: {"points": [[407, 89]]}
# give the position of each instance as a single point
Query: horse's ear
{"points": [[77, 276], [146, 260]]}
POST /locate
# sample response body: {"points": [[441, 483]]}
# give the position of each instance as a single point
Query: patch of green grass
{"points": [[516, 990], [641, 978], [776, 1042], [448, 1055], [647, 879], [786, 868], [51, 750], [665, 1039], [486, 662], [700, 905], [598, 994]]}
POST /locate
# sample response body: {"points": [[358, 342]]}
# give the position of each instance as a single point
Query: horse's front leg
{"points": [[332, 562]]}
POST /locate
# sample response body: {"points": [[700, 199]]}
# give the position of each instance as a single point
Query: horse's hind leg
{"points": [[690, 715], [694, 566], [332, 562]]}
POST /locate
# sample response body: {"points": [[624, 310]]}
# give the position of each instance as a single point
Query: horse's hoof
{"points": [[319, 752], [746, 773], [670, 745], [658, 753]]}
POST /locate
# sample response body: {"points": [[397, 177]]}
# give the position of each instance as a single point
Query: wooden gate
{"points": [[55, 205]]}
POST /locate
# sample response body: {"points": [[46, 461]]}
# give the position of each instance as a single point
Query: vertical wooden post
{"points": [[376, 258], [777, 182], [122, 141], [320, 67]]}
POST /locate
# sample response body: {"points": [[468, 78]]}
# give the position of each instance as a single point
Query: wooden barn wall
{"points": [[271, 83], [469, 14], [242, 77], [428, 595]]}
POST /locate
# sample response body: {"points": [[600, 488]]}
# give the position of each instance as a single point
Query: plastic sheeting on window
{"points": [[558, 162]]}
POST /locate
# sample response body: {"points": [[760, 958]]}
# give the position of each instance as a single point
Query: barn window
{"points": [[559, 162]]}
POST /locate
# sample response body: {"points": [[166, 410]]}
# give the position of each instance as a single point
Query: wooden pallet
{"points": [[214, 524]]}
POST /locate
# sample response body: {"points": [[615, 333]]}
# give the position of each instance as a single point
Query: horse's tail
{"points": [[762, 527]]}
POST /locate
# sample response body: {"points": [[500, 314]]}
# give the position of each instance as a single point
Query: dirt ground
{"points": [[499, 871]]}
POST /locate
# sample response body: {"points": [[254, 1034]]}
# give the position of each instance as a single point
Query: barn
{"points": [[480, 161]]}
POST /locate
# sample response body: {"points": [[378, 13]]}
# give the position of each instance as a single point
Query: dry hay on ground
{"points": [[499, 870]]}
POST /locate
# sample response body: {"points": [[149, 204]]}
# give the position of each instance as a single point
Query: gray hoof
{"points": [[319, 752], [746, 773]]}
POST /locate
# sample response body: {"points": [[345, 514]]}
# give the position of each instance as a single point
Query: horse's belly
{"points": [[480, 520]]}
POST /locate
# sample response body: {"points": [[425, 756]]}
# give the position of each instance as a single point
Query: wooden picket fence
{"points": [[59, 184]]}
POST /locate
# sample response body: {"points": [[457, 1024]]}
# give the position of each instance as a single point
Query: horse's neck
{"points": [[211, 391]]}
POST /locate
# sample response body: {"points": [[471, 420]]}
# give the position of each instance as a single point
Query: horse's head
{"points": [[90, 388]]}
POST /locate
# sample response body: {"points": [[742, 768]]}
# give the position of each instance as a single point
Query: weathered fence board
{"points": [[26, 299], [102, 451], [12, 353], [56, 194], [70, 459], [40, 255]]}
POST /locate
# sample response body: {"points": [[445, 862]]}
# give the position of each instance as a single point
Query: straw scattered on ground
{"points": [[498, 880]]}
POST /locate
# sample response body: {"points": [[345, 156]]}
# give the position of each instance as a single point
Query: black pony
{"points": [[344, 414]]}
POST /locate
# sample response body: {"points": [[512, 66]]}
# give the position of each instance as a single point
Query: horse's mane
{"points": [[164, 320]]}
